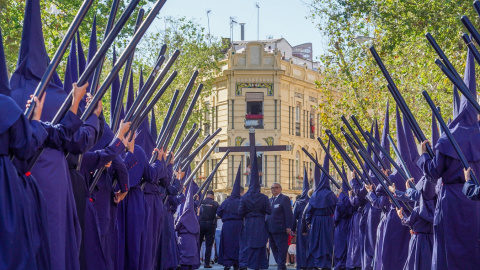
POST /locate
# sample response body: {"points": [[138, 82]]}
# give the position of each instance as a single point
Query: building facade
{"points": [[258, 88]]}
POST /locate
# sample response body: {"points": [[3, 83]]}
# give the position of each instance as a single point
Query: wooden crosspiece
{"points": [[252, 148]]}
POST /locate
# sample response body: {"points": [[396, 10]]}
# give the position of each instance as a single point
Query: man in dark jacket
{"points": [[208, 224], [279, 225]]}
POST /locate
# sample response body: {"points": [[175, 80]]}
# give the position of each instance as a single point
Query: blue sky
{"points": [[278, 18]]}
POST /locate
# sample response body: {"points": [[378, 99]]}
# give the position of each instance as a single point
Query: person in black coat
{"points": [[279, 225], [208, 224]]}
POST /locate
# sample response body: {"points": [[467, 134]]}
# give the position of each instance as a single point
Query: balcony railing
{"points": [[254, 120]]}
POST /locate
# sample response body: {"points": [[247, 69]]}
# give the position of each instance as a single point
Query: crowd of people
{"points": [[74, 194]]}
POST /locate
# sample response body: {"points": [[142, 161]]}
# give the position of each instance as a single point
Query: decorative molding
{"points": [[269, 141], [298, 95], [239, 86], [313, 99], [239, 140]]}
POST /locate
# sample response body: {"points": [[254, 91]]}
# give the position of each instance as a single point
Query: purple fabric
{"points": [[421, 242], [385, 142], [323, 197], [153, 126], [188, 232], [454, 214], [71, 71], [32, 63], [92, 47], [254, 236], [115, 90], [456, 102], [4, 83], [232, 226], [342, 221], [20, 230], [321, 236], [316, 175]]}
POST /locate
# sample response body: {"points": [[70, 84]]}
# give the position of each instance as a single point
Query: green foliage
{"points": [[353, 83], [198, 51]]}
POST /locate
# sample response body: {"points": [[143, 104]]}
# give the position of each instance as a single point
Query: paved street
{"points": [[218, 266]]}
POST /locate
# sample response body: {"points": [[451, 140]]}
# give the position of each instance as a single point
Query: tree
{"points": [[398, 29]]}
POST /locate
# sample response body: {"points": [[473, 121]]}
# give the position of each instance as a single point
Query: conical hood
{"points": [[115, 89], [464, 127], [4, 83], [32, 63], [306, 187], [236, 185], [82, 61], [377, 137], [71, 71], [153, 126], [254, 186], [323, 197], [92, 47], [324, 181], [403, 148], [188, 217], [412, 146], [456, 102], [317, 173], [385, 142], [130, 96], [144, 138]]}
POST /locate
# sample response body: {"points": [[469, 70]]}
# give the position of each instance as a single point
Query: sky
{"points": [[278, 18]]}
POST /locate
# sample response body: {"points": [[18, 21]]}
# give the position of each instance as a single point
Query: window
{"points": [[297, 113], [254, 110]]}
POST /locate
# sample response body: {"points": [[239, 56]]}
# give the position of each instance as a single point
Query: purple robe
{"points": [[167, 255], [303, 260], [133, 210], [342, 221], [229, 250], [19, 238], [355, 235], [188, 234], [153, 197]]}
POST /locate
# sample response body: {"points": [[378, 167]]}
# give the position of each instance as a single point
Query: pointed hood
{"points": [[317, 173], [369, 149], [188, 218], [232, 202], [324, 181], [82, 61], [236, 186], [4, 83], [464, 127], [408, 151], [401, 140], [306, 187], [323, 197], [412, 146], [92, 46], [129, 94], [385, 142], [254, 186], [32, 63], [105, 140], [456, 102], [144, 138], [377, 137], [115, 88], [71, 70], [153, 126]]}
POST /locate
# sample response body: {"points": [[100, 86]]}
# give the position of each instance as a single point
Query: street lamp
{"points": [[208, 20], [362, 39]]}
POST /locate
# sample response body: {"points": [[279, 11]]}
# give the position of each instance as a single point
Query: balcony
{"points": [[254, 120]]}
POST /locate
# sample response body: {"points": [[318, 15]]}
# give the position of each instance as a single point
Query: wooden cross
{"points": [[252, 148]]}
